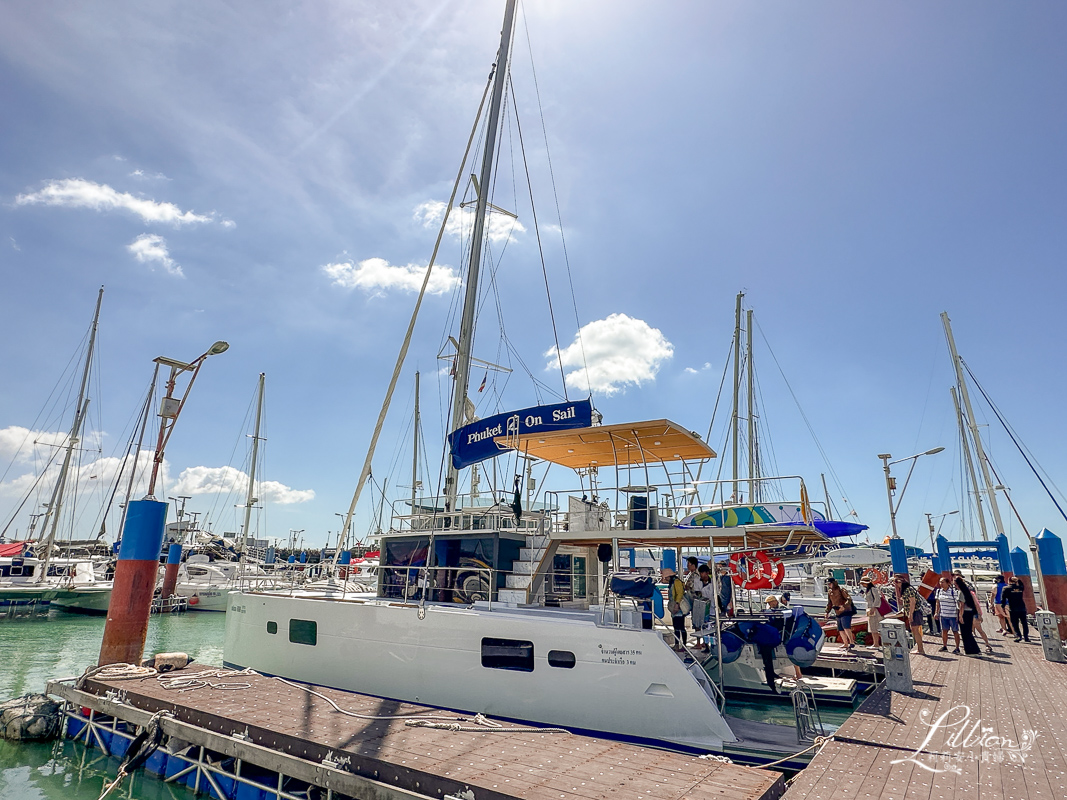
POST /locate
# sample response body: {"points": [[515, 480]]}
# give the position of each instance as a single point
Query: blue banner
{"points": [[473, 443]]}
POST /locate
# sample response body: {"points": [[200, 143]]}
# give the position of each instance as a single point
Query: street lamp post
{"points": [[930, 521], [891, 482]]}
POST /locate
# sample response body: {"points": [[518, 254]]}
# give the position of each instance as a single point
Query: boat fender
{"points": [[31, 717], [732, 645], [167, 662]]}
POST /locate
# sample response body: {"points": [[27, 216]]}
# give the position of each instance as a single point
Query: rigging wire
{"points": [[537, 234], [555, 197], [1023, 451], [804, 416]]}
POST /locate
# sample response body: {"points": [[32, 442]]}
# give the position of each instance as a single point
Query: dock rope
{"points": [[482, 724], [143, 745], [820, 742]]}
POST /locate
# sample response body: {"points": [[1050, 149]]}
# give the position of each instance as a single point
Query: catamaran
{"points": [[513, 610]]}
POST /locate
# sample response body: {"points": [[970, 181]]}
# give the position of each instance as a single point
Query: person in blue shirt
{"points": [[1000, 607]]}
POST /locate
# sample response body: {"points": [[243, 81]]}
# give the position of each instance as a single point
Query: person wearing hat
{"points": [[676, 606], [872, 595]]}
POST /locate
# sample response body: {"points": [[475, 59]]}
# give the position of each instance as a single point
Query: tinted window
{"points": [[303, 631], [508, 654], [561, 658], [272, 627]]}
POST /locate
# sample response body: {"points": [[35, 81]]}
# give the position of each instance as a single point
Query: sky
{"points": [[274, 174]]}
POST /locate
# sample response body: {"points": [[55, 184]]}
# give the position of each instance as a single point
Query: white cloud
{"points": [[690, 371], [499, 227], [24, 445], [228, 223], [148, 176], [611, 353], [80, 193], [378, 274], [223, 480], [151, 249]]}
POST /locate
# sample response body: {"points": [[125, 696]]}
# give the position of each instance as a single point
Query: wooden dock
{"points": [[989, 708], [386, 757]]}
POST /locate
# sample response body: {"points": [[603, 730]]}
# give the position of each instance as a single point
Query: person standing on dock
{"points": [[872, 596], [726, 591], [1000, 607], [948, 612], [838, 600], [968, 611], [973, 590], [1017, 609], [911, 605]]}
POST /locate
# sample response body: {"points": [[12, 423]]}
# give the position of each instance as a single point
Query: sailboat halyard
{"points": [[461, 619]]}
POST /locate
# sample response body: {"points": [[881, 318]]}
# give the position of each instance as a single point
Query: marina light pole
{"points": [[930, 522], [891, 482], [142, 537]]}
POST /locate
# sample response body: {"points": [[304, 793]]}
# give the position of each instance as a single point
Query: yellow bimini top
{"points": [[626, 444], [654, 442]]}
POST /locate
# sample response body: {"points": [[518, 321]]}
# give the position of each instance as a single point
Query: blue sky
{"points": [[855, 168]]}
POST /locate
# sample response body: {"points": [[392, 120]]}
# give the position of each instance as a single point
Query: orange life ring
{"points": [[878, 578], [752, 570]]}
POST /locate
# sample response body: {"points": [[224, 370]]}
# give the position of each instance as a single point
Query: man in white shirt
{"points": [[948, 599]]}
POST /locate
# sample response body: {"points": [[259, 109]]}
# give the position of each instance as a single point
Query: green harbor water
{"points": [[34, 650]]}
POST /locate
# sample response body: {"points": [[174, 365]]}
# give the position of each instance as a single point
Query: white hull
{"points": [[624, 682], [89, 600], [204, 598]]}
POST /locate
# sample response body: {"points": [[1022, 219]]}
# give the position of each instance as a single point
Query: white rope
{"points": [[482, 724], [820, 742]]}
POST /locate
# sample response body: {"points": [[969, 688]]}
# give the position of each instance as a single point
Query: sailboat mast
{"points": [[251, 498], [750, 370], [983, 462], [734, 420], [415, 447], [470, 298], [56, 503], [970, 464]]}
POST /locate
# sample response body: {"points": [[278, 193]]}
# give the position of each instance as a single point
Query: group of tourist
{"points": [[692, 596], [956, 607]]}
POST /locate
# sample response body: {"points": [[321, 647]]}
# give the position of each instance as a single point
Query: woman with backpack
{"points": [[877, 608], [677, 606]]}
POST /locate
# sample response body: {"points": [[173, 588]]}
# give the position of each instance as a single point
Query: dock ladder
{"points": [[808, 720]]}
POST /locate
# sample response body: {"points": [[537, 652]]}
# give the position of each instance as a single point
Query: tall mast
{"points": [[734, 421], [983, 462], [751, 408], [55, 505], [250, 499], [970, 464], [415, 447], [470, 299]]}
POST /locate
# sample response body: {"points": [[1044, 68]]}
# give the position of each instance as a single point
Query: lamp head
{"points": [[217, 348], [885, 455], [934, 451]]}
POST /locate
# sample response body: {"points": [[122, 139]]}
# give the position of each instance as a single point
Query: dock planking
{"points": [[530, 764], [1006, 694]]}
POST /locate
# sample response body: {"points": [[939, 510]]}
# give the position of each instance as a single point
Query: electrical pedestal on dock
{"points": [[1049, 631], [896, 656]]}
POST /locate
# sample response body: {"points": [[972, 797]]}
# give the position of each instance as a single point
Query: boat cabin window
{"points": [[272, 627], [462, 568], [303, 631], [561, 658], [513, 654]]}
